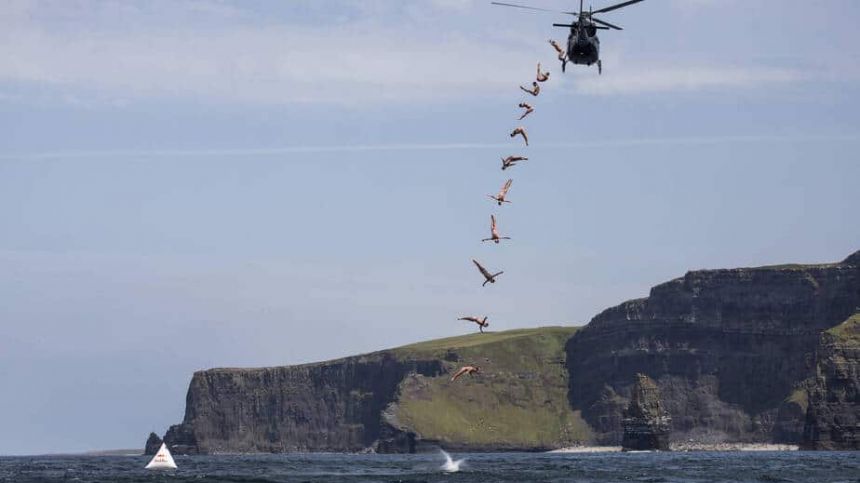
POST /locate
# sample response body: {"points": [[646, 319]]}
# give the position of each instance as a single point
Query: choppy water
{"points": [[818, 467]]}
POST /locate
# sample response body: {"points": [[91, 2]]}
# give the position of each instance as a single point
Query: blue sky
{"points": [[194, 184]]}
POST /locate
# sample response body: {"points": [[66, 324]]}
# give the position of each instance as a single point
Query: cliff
{"points": [[730, 350], [833, 415], [740, 355], [391, 401]]}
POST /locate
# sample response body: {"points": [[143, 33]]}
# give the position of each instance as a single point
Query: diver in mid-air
{"points": [[502, 197], [522, 132], [481, 322], [528, 109], [466, 370], [541, 76], [535, 90], [512, 160], [494, 232], [562, 55], [488, 277]]}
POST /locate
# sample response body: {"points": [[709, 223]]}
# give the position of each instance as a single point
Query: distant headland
{"points": [[757, 356]]}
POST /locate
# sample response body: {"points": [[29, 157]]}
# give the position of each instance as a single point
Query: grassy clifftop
{"points": [[848, 331], [518, 401]]}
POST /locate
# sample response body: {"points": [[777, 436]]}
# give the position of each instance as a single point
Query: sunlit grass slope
{"points": [[519, 400]]}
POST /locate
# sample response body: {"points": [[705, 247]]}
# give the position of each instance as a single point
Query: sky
{"points": [[186, 185]]}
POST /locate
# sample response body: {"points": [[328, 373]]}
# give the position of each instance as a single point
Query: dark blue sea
{"points": [[817, 467]]}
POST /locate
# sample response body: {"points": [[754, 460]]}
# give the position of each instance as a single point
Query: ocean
{"points": [[817, 467]]}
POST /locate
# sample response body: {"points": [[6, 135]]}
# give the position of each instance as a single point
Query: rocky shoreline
{"points": [[690, 446]]}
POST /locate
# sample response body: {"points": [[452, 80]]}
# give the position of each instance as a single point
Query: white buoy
{"points": [[162, 460]]}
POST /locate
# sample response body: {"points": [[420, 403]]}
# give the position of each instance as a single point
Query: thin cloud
{"points": [[599, 144], [655, 79], [211, 51], [250, 62]]}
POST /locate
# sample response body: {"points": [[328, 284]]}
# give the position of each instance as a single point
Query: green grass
{"points": [[848, 331], [479, 339], [518, 400], [793, 266], [800, 397]]}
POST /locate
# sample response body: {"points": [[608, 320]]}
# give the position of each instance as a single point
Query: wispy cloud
{"points": [[256, 152], [248, 61], [675, 78], [375, 51]]}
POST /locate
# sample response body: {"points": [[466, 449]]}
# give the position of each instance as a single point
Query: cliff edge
{"points": [[396, 400], [730, 350], [760, 355]]}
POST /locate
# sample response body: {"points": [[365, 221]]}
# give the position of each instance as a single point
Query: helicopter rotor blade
{"points": [[573, 25], [526, 7], [607, 24], [616, 6]]}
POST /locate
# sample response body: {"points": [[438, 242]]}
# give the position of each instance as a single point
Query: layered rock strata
{"points": [[394, 401], [833, 415], [646, 424], [730, 351], [740, 355]]}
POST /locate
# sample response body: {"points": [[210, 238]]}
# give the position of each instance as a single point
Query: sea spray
{"points": [[450, 465]]}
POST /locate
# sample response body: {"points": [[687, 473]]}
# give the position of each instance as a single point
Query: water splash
{"points": [[450, 465]]}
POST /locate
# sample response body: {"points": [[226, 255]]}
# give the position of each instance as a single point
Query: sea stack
{"points": [[646, 424], [153, 443]]}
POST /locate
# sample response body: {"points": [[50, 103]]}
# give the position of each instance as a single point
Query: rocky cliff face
{"points": [[334, 406], [736, 355], [380, 401], [646, 424], [833, 417], [727, 348]]}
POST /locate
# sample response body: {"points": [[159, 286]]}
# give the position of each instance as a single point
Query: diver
{"points": [[522, 132], [542, 76], [466, 370], [535, 90], [528, 109], [562, 55]]}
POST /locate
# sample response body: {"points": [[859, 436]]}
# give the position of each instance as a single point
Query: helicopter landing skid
{"points": [[599, 67]]}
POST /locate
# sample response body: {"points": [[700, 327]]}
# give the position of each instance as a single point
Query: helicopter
{"points": [[583, 45]]}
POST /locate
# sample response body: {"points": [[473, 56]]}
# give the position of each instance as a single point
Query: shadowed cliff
{"points": [[729, 349], [833, 418]]}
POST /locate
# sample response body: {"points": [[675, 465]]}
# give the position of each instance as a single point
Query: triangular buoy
{"points": [[162, 460]]}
